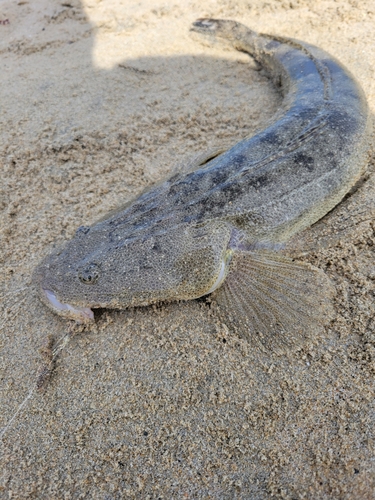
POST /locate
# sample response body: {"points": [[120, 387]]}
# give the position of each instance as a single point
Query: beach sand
{"points": [[98, 100]]}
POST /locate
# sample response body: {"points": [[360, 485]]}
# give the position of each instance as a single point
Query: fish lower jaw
{"points": [[79, 314]]}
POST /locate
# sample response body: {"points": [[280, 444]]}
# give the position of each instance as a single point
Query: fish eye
{"points": [[89, 274]]}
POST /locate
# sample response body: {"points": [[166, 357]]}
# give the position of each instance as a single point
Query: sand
{"points": [[98, 100]]}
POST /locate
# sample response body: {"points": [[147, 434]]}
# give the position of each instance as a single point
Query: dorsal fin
{"points": [[200, 159]]}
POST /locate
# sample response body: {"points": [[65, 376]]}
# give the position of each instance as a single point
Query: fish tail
{"points": [[229, 31]]}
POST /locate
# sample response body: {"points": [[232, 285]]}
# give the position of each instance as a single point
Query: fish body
{"points": [[216, 225]]}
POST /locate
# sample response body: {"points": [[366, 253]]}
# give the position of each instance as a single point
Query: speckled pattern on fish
{"points": [[218, 225]]}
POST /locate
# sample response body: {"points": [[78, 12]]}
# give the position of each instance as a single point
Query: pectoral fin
{"points": [[273, 300]]}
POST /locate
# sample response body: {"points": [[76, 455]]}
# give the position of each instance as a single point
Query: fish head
{"points": [[102, 268]]}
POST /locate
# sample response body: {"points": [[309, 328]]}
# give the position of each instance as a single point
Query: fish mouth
{"points": [[79, 314]]}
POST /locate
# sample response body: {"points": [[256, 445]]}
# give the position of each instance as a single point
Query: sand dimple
{"points": [[98, 101]]}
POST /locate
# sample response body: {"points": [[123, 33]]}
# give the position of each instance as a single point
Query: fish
{"points": [[217, 227]]}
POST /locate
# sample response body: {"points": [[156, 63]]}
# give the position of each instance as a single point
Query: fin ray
{"points": [[273, 300]]}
